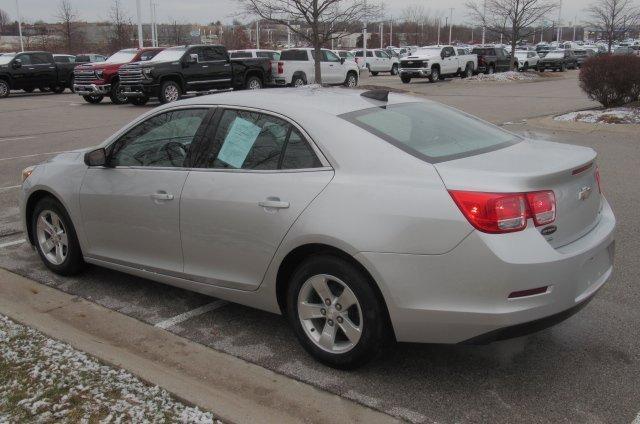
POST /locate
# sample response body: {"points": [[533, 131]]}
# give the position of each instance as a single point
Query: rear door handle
{"points": [[162, 196], [273, 203]]}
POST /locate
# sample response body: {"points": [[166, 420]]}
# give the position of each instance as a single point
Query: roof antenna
{"points": [[380, 95]]}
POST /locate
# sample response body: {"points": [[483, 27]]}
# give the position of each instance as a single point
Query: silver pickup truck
{"points": [[437, 62]]}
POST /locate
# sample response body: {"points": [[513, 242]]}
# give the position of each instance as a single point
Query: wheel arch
{"points": [[290, 262], [175, 78], [30, 206], [254, 73]]}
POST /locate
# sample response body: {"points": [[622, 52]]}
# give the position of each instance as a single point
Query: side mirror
{"points": [[193, 58], [342, 60], [17, 63], [97, 157]]}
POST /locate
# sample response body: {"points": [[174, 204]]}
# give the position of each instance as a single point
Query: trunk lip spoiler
{"points": [[582, 169]]}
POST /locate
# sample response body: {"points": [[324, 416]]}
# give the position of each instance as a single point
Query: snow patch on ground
{"points": [[506, 76], [619, 115], [44, 380]]}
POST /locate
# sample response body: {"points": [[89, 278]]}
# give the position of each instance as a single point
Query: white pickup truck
{"points": [[296, 67], [437, 62]]}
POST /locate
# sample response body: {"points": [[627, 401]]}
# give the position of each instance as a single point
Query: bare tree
{"points": [[121, 34], [4, 20], [235, 37], [613, 18], [514, 19], [68, 16], [326, 20]]}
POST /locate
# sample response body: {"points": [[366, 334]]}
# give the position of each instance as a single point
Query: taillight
{"points": [[542, 205], [597, 177], [505, 212], [280, 67]]}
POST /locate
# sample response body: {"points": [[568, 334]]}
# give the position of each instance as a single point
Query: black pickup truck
{"points": [[195, 68], [30, 70]]}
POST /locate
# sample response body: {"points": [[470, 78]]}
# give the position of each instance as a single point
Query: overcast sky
{"points": [[205, 11]]}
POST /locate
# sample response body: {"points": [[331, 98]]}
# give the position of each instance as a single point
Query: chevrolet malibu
{"points": [[364, 217]]}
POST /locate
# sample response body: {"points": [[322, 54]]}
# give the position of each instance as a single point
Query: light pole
{"points": [[19, 25], [484, 21], [381, 35], [438, 31], [450, 23], [257, 34], [139, 11], [559, 18]]}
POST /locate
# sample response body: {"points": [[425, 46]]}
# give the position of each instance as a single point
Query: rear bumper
{"points": [[92, 89], [463, 295], [415, 72]]}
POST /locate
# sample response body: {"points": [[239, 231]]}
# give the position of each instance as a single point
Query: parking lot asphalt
{"points": [[586, 369]]}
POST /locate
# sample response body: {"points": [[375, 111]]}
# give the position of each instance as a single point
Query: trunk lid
{"points": [[570, 171]]}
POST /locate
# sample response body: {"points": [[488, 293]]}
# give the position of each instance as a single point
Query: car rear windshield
{"points": [[294, 55], [431, 131]]}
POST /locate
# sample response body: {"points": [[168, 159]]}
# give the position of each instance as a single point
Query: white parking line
{"points": [[17, 138], [191, 314], [9, 188], [12, 243], [37, 154]]}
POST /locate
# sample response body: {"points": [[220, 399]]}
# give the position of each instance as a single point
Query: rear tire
{"points": [[298, 81], [364, 320], [468, 71], [491, 70], [374, 73], [394, 69], [169, 92], [55, 238], [405, 80], [253, 83], [93, 99], [44, 89]]}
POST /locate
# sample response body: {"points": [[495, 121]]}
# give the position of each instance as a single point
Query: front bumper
{"points": [[139, 90], [550, 65], [415, 72], [463, 295], [92, 89]]}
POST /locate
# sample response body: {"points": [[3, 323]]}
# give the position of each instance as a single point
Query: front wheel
{"points": [[351, 80], [116, 95], [253, 83], [491, 70], [94, 100], [55, 238], [525, 68], [405, 80], [563, 68], [335, 312], [468, 71], [44, 89], [435, 75], [139, 101], [5, 90], [169, 92], [374, 73]]}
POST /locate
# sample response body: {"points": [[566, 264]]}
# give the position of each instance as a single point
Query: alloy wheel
{"points": [[299, 82], [52, 236], [330, 313], [255, 84], [352, 81], [4, 88], [171, 93]]}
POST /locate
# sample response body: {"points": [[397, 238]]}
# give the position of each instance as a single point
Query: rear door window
{"points": [[430, 131], [258, 141]]}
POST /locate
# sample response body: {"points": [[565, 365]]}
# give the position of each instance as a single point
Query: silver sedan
{"points": [[364, 217]]}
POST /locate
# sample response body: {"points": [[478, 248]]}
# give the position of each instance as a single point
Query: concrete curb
{"points": [[234, 390], [548, 122]]}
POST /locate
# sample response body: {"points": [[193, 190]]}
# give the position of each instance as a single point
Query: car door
{"points": [[257, 176], [449, 61], [335, 71], [502, 60], [217, 67], [384, 61], [44, 68], [23, 76], [196, 73], [130, 208]]}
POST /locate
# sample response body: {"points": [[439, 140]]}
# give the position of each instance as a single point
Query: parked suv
{"points": [[94, 81], [194, 68], [559, 60], [493, 59], [30, 70], [296, 67]]}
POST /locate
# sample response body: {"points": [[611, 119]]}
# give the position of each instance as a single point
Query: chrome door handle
{"points": [[205, 66], [273, 203], [162, 196]]}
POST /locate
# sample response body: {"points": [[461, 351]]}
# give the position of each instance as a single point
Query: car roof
{"points": [[299, 103]]}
